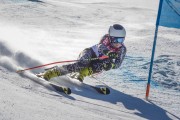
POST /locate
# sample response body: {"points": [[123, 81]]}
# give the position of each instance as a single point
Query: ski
{"points": [[58, 88], [100, 89]]}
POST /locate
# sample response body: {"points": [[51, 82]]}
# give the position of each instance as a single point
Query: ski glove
{"points": [[111, 55], [108, 66]]}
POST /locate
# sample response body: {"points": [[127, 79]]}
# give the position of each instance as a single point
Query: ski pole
{"points": [[19, 71]]}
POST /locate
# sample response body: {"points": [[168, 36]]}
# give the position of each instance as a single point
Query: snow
{"points": [[35, 32]]}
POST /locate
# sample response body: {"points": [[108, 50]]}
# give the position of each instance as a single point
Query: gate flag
{"points": [[168, 16], [170, 13]]}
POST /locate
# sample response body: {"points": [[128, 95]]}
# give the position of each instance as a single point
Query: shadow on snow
{"points": [[145, 109]]}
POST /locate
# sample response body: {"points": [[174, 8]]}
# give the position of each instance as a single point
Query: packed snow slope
{"points": [[35, 32]]}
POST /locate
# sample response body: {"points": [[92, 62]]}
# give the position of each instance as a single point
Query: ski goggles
{"points": [[117, 39]]}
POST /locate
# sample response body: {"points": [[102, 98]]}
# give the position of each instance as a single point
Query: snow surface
{"points": [[35, 32]]}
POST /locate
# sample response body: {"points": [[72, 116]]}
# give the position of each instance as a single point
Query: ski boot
{"points": [[47, 75], [83, 73]]}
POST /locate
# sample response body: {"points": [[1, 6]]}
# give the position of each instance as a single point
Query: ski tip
{"points": [[63, 89], [67, 91], [105, 90]]}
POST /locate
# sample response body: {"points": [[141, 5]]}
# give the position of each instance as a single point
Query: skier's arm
{"points": [[120, 58]]}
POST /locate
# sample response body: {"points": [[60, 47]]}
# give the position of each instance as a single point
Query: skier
{"points": [[110, 45]]}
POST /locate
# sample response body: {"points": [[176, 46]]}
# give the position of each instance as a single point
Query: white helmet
{"points": [[117, 31]]}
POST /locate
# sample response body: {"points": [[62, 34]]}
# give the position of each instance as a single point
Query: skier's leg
{"points": [[84, 66], [83, 73], [53, 72], [96, 66], [84, 61]]}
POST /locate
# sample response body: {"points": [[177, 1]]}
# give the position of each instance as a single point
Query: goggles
{"points": [[117, 39]]}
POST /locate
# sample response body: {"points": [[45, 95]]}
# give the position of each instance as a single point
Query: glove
{"points": [[108, 66], [111, 55]]}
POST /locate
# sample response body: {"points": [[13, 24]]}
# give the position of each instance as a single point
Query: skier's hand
{"points": [[108, 66], [111, 55]]}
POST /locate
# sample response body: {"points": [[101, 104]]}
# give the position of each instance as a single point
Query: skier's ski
{"points": [[59, 88], [100, 89]]}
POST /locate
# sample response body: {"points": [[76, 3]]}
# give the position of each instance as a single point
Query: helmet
{"points": [[117, 31]]}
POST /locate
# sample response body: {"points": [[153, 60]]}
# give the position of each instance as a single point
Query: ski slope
{"points": [[35, 32]]}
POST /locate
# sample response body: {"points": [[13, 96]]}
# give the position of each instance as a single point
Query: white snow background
{"points": [[35, 32]]}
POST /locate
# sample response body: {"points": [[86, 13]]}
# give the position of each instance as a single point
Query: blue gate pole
{"points": [[153, 49]]}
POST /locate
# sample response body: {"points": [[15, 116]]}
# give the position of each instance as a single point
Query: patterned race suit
{"points": [[94, 52]]}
